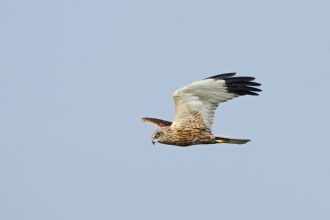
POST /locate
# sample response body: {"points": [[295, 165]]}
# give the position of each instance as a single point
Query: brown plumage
{"points": [[195, 106]]}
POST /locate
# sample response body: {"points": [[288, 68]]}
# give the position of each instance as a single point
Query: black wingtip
{"points": [[241, 85]]}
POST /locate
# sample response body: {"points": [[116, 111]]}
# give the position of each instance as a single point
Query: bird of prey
{"points": [[195, 106]]}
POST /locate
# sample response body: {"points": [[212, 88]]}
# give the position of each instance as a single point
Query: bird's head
{"points": [[159, 136]]}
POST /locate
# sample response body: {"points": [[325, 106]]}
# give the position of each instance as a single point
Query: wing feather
{"points": [[157, 122], [196, 103]]}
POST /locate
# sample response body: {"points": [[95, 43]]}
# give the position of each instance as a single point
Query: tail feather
{"points": [[229, 140]]}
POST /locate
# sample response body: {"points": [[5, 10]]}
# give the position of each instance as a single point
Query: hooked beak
{"points": [[153, 142]]}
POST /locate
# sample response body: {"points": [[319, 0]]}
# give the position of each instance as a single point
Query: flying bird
{"points": [[195, 106]]}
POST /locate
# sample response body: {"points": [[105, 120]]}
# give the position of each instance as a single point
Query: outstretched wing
{"points": [[157, 122], [196, 103]]}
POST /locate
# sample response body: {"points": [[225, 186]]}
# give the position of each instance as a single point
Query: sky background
{"points": [[77, 76]]}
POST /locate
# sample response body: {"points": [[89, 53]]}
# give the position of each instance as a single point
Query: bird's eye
{"points": [[157, 135]]}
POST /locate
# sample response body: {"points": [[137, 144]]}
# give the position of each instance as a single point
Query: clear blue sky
{"points": [[77, 76]]}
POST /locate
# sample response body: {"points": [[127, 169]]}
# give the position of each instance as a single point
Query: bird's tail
{"points": [[229, 140]]}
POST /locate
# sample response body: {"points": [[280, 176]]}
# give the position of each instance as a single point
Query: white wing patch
{"points": [[196, 103]]}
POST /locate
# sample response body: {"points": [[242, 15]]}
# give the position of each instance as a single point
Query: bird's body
{"points": [[195, 106], [183, 136]]}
